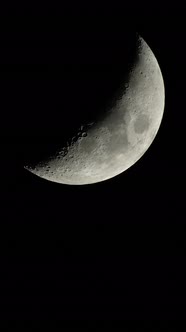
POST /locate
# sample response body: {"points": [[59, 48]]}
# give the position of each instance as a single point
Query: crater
{"points": [[141, 124]]}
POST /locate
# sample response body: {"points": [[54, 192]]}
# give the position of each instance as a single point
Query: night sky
{"points": [[112, 250]]}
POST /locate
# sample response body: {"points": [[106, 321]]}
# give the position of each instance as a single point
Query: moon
{"points": [[103, 149]]}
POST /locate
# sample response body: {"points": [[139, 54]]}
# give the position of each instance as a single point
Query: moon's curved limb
{"points": [[106, 148]]}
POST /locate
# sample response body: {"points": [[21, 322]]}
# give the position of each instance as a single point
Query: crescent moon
{"points": [[104, 149]]}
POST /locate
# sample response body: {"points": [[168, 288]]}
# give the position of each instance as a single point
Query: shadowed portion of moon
{"points": [[82, 83], [114, 133]]}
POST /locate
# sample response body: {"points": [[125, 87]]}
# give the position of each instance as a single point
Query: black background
{"points": [[112, 250]]}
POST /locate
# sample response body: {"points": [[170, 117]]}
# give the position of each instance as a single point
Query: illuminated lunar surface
{"points": [[108, 147]]}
